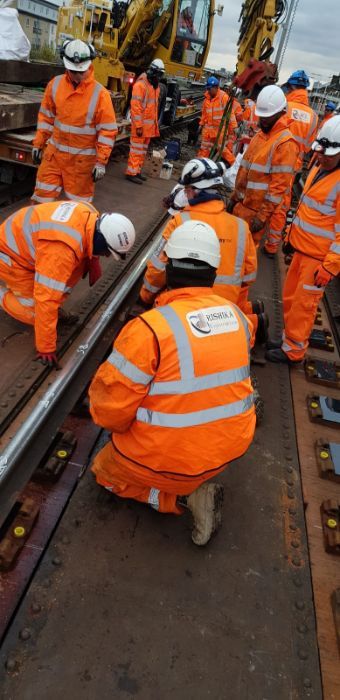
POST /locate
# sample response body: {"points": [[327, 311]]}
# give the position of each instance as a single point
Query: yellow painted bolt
{"points": [[331, 523], [314, 404], [62, 454], [19, 531], [324, 454]]}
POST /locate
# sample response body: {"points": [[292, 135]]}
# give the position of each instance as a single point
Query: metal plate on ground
{"points": [[133, 608], [321, 339], [328, 459], [320, 371], [323, 409]]}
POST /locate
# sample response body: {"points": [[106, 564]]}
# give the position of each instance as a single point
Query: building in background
{"points": [[323, 92], [38, 19]]}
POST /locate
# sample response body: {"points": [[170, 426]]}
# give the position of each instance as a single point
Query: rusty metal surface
{"points": [[18, 108], [134, 609], [51, 499]]}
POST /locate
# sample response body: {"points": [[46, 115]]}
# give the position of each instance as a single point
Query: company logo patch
{"points": [[300, 116], [64, 211], [212, 321]]}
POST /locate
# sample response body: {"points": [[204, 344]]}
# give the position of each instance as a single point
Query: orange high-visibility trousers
{"points": [[153, 488], [137, 155], [300, 302], [16, 298], [62, 171]]}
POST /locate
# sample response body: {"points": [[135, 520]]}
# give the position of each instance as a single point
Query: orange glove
{"points": [[322, 276], [95, 270]]}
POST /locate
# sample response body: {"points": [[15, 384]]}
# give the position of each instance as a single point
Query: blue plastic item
{"points": [[173, 149], [300, 78], [212, 82]]}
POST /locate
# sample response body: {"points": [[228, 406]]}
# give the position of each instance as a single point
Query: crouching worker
{"points": [[44, 251], [175, 391]]}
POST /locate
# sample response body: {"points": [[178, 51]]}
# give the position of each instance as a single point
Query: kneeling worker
{"points": [[44, 251], [175, 391]]}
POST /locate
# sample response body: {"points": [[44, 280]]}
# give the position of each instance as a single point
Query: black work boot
{"points": [[273, 344], [134, 179], [262, 328], [142, 177], [258, 306], [278, 355], [267, 253]]}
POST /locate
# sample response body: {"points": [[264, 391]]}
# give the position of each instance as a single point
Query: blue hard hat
{"points": [[331, 106], [299, 77], [212, 82]]}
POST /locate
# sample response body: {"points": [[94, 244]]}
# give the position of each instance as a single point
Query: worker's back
{"points": [[302, 121]]}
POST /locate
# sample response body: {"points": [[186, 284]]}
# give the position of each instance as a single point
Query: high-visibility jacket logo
{"points": [[212, 321]]}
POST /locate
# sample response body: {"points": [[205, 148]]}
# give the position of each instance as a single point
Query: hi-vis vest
{"points": [[257, 162], [198, 413], [212, 111], [315, 229]]}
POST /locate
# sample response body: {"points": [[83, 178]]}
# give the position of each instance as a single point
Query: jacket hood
{"points": [[300, 96]]}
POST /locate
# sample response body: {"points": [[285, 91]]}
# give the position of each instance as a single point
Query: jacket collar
{"points": [[300, 95], [182, 293], [205, 196]]}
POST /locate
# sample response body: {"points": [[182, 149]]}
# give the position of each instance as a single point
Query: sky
{"points": [[313, 45]]}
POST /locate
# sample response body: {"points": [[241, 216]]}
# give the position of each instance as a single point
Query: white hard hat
{"points": [[328, 138], [77, 55], [202, 173], [194, 239], [177, 200], [158, 65], [270, 101], [119, 233]]}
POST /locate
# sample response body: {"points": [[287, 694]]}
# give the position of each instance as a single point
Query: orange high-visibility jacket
{"points": [[79, 121], [53, 240], [315, 230], [144, 108], [250, 119], [213, 108], [266, 172], [238, 254], [302, 121], [237, 110], [176, 392]]}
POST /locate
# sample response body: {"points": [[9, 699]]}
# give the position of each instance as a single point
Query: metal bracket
{"points": [[321, 339], [320, 371], [330, 518], [328, 459], [323, 409], [53, 465], [17, 532]]}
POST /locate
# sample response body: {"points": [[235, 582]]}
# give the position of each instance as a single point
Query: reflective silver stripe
{"points": [[51, 283], [337, 228], [11, 242], [157, 263], [315, 230], [282, 169], [137, 146], [149, 121], [313, 204], [150, 287], [106, 140], [55, 85], [312, 128], [25, 302], [185, 216], [42, 199], [128, 369], [6, 259], [89, 130], [46, 186], [44, 125], [249, 278], [28, 230], [257, 185], [137, 117], [258, 168], [137, 98], [48, 225], [75, 198], [74, 151], [46, 112], [335, 248], [185, 358], [313, 288], [153, 498], [187, 420], [245, 163], [236, 279], [93, 103], [3, 291], [109, 126], [299, 139], [333, 194], [271, 198], [207, 381]]}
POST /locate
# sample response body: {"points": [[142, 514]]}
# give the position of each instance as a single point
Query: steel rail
{"points": [[29, 429]]}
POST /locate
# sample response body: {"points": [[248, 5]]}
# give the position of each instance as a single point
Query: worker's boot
{"points": [[134, 179], [278, 355], [142, 177], [257, 306], [205, 505], [273, 344], [262, 328], [66, 318]]}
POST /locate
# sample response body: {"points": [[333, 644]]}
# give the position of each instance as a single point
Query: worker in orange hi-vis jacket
{"points": [[76, 130], [238, 266], [302, 120], [264, 180], [176, 393], [44, 251], [144, 119], [329, 112], [214, 104], [249, 118], [314, 241]]}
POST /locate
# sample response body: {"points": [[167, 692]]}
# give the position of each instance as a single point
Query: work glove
{"points": [[36, 155], [256, 225], [139, 132], [322, 276], [95, 270], [98, 172], [49, 359]]}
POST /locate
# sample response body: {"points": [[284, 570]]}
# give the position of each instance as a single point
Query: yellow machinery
{"points": [[259, 24], [129, 35]]}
